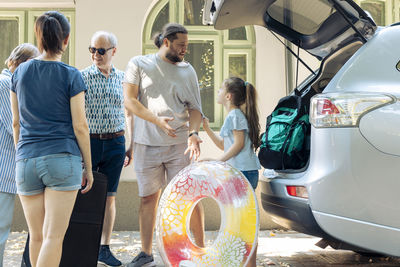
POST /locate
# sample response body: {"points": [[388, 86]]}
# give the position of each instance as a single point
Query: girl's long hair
{"points": [[244, 95]]}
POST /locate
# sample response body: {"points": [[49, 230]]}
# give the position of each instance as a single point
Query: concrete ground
{"points": [[276, 248]]}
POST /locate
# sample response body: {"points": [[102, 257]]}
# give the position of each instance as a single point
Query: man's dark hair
{"points": [[169, 31]]}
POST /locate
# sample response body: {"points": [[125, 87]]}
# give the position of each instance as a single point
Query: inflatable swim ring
{"points": [[236, 199]]}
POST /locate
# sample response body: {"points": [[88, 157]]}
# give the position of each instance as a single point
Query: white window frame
{"points": [[10, 14]]}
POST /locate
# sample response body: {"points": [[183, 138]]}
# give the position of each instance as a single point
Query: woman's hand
{"points": [[128, 156], [87, 178]]}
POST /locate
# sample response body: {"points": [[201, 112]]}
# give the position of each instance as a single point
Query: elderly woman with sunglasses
{"points": [[106, 117]]}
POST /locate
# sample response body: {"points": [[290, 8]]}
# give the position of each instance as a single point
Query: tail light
{"points": [[297, 191], [344, 109]]}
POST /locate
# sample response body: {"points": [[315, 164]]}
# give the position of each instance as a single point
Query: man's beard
{"points": [[173, 58]]}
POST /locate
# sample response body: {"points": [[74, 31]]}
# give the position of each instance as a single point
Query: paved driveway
{"points": [[276, 248]]}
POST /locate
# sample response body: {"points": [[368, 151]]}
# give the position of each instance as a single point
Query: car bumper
{"points": [[352, 189], [288, 212]]}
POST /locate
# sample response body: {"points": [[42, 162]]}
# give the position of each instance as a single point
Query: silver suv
{"points": [[347, 192]]}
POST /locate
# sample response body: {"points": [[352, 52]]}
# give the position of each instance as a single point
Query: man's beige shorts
{"points": [[155, 166]]}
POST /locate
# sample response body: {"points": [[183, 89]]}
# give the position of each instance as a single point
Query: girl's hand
{"points": [[206, 123], [87, 178]]}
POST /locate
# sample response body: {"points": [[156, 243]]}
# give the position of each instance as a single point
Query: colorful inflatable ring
{"points": [[237, 236]]}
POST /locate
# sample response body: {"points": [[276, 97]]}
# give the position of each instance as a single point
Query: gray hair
{"points": [[111, 38], [22, 53]]}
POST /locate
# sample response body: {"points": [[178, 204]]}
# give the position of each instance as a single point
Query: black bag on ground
{"points": [[285, 143], [82, 239]]}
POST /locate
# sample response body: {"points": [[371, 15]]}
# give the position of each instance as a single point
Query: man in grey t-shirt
{"points": [[162, 91]]}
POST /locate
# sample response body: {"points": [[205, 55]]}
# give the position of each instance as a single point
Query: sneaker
{"points": [[106, 258], [142, 260]]}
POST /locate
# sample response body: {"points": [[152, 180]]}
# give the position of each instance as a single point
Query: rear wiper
{"points": [[294, 54]]}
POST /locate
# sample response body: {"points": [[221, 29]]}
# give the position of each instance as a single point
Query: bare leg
{"points": [[197, 225], [109, 219], [147, 220], [58, 207], [34, 213]]}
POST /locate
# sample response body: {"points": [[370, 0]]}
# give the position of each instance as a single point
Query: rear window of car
{"points": [[303, 16]]}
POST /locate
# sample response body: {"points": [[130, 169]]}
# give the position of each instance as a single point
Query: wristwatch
{"points": [[192, 133]]}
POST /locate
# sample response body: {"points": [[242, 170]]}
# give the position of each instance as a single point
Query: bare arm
{"points": [[81, 131], [218, 141], [129, 151], [15, 116], [194, 140], [195, 119], [133, 105], [238, 144]]}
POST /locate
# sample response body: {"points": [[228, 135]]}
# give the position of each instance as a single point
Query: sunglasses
{"points": [[101, 51]]}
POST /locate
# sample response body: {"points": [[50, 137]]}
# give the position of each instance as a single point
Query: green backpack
{"points": [[285, 143]]}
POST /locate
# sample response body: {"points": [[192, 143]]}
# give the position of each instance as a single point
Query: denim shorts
{"points": [[61, 172], [252, 177]]}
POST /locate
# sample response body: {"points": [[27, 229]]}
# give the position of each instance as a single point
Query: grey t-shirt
{"points": [[167, 90]]}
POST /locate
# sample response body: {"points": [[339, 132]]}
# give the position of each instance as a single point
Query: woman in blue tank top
{"points": [[50, 134]]}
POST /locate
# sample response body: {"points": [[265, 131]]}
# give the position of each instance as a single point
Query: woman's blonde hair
{"points": [[22, 53]]}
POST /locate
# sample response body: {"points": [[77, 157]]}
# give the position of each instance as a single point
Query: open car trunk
{"points": [[317, 26], [313, 85], [316, 84], [330, 30]]}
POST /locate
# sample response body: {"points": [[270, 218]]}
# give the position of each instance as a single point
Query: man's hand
{"points": [[162, 122], [128, 156], [193, 146]]}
